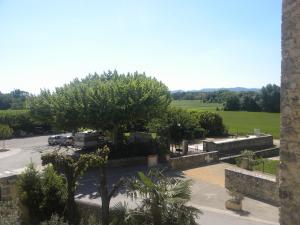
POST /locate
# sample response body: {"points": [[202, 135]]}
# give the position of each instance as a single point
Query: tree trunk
{"points": [[156, 214], [71, 205], [115, 133], [104, 196]]}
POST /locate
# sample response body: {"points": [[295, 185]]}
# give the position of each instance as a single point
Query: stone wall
{"points": [[265, 153], [235, 146], [253, 184], [191, 161], [8, 187], [127, 162], [290, 114]]}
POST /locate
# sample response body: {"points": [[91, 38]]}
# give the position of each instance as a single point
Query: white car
{"points": [[60, 140], [55, 139]]}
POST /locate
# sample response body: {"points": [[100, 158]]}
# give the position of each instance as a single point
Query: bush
{"points": [[54, 193], [42, 194], [54, 220], [5, 131], [211, 122], [30, 192]]}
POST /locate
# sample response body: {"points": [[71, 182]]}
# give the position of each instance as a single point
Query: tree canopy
{"points": [[108, 101]]}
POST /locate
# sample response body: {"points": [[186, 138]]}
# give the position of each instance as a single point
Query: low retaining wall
{"points": [[266, 153], [191, 161], [253, 184], [237, 145], [127, 162], [8, 189]]}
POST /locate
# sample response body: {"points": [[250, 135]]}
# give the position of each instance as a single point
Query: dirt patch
{"points": [[214, 174]]}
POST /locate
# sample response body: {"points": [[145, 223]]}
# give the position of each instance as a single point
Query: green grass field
{"points": [[237, 122]]}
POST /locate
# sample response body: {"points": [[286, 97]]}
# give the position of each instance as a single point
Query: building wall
{"points": [[289, 178]]}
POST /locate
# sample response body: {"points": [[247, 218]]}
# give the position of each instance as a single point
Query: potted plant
{"points": [[235, 203]]}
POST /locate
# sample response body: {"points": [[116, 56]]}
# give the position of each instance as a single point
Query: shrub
{"points": [[30, 192], [247, 160], [211, 122], [54, 193], [54, 220], [42, 194], [5, 131]]}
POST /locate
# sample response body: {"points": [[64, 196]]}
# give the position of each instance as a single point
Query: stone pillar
{"points": [[289, 174]]}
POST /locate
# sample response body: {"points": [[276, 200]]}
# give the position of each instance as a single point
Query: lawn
{"points": [[238, 122], [196, 105], [267, 166]]}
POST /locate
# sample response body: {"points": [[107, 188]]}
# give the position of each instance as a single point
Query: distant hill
{"points": [[234, 89]]}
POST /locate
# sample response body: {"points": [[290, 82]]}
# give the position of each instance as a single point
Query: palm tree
{"points": [[161, 200]]}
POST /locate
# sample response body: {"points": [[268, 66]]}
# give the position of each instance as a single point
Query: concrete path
{"points": [[208, 190]]}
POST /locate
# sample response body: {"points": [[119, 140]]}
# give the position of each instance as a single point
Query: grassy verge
{"points": [[267, 166]]}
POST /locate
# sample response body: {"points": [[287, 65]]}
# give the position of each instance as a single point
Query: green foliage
{"points": [[270, 97], [161, 200], [175, 125], [267, 166], [232, 103], [248, 160], [9, 214], [196, 105], [21, 120], [211, 122], [54, 220], [240, 122], [54, 193], [5, 131], [72, 168], [42, 193], [30, 192], [109, 102], [14, 100], [250, 101]]}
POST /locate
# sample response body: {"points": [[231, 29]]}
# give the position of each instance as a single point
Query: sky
{"points": [[187, 44]]}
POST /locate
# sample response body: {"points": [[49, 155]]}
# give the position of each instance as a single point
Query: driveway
{"points": [[22, 152]]}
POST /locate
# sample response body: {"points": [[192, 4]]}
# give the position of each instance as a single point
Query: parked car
{"points": [[55, 139], [60, 140]]}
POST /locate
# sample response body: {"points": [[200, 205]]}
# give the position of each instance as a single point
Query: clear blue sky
{"points": [[187, 44]]}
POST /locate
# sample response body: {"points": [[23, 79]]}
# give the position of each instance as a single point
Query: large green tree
{"points": [[270, 98], [109, 102]]}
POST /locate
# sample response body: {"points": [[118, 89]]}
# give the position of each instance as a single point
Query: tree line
{"points": [[265, 100], [16, 99]]}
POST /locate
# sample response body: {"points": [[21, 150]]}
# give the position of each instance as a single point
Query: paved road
{"points": [[23, 151]]}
